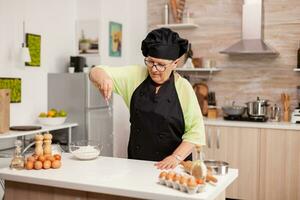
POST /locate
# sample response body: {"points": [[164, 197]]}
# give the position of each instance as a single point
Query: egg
{"points": [[183, 180], [35, 156], [176, 177], [38, 165], [41, 158], [30, 158], [56, 164], [199, 181], [57, 157], [170, 176], [29, 165], [47, 164], [191, 183], [163, 174]]}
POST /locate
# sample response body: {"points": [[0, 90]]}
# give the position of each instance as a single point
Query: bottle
{"points": [[166, 13], [18, 160], [298, 56], [199, 169]]}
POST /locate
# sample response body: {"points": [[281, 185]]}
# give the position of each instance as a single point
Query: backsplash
{"points": [[243, 77]]}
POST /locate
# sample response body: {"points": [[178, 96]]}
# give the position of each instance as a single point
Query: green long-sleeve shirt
{"points": [[126, 79]]}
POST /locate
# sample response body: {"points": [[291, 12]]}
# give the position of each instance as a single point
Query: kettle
{"points": [[275, 113]]}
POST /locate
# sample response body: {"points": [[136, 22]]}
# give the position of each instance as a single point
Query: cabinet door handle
{"points": [[209, 138], [218, 138]]}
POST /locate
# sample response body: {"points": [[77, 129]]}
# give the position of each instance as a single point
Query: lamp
{"points": [[25, 51]]}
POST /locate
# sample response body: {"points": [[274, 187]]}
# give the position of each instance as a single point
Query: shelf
{"points": [[198, 69], [178, 26], [13, 134], [209, 70], [296, 69]]}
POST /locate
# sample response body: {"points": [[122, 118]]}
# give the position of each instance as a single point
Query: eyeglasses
{"points": [[158, 67]]}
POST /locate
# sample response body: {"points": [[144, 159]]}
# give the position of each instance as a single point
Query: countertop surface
{"points": [[270, 125], [117, 176]]}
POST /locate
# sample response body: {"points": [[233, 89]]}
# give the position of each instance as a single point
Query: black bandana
{"points": [[164, 43]]}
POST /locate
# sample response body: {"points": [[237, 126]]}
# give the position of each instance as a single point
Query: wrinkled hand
{"points": [[104, 83], [169, 162], [105, 87]]}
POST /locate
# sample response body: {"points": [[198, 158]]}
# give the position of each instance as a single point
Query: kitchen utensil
{"points": [[212, 112], [295, 116], [86, 149], [197, 62], [285, 100], [25, 128], [201, 90], [257, 108], [4, 110], [52, 121], [174, 10], [217, 167], [275, 113], [180, 9], [166, 13], [212, 99], [233, 110]]}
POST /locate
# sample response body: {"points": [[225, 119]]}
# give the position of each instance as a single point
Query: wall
{"points": [[132, 15], [54, 21], [243, 78]]}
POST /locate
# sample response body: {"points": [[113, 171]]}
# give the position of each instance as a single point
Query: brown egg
{"points": [[47, 156], [38, 165], [29, 165], [51, 158], [170, 176], [47, 164], [191, 183], [56, 164], [199, 181], [30, 158], [183, 180], [176, 178], [35, 156], [41, 158], [163, 174]]}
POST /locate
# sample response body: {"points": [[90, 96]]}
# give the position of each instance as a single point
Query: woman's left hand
{"points": [[169, 162]]}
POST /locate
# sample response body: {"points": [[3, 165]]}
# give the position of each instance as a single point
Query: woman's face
{"points": [[160, 69]]}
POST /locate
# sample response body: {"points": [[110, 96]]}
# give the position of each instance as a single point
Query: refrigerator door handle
{"points": [[96, 108]]}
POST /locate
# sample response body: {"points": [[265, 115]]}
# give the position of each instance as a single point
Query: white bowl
{"points": [[51, 121], [85, 149]]}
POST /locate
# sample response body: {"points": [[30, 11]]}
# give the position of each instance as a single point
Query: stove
{"points": [[246, 118]]}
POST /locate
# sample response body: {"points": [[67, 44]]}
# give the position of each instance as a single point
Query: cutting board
{"points": [[4, 110], [201, 90]]}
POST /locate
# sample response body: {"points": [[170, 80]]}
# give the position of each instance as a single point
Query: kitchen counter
{"points": [[114, 176], [269, 125]]}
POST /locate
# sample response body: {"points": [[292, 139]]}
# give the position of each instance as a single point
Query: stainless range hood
{"points": [[252, 36]]}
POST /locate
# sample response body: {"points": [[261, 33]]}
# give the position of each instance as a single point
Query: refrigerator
{"points": [[77, 95]]}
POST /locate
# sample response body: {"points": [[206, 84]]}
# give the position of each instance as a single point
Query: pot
{"points": [[217, 167], [258, 108], [233, 110]]}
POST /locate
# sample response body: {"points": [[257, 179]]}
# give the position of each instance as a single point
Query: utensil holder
{"points": [[286, 115]]}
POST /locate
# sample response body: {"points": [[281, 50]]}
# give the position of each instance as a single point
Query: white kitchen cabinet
{"points": [[240, 148], [280, 164]]}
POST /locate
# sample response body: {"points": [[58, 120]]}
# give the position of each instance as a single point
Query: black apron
{"points": [[157, 122]]}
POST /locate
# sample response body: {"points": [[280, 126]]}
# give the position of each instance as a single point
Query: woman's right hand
{"points": [[102, 81]]}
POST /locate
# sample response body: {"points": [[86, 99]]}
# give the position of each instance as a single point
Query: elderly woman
{"points": [[166, 121]]}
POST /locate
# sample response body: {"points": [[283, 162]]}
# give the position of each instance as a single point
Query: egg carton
{"points": [[182, 187]]}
